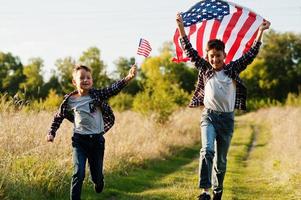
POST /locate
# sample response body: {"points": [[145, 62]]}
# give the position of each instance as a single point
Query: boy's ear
{"points": [[206, 57]]}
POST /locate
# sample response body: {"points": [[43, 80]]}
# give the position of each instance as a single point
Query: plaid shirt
{"points": [[232, 70], [99, 96]]}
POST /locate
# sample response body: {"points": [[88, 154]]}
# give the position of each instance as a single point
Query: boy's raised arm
{"points": [[180, 25], [198, 61], [116, 87]]}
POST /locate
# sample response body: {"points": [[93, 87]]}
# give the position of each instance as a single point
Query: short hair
{"points": [[215, 44], [79, 67]]}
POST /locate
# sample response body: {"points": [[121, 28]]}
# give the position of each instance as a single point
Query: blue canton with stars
{"points": [[205, 10]]}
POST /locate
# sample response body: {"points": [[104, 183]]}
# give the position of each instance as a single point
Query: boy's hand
{"points": [[180, 24], [49, 138], [132, 73], [179, 20], [265, 25]]}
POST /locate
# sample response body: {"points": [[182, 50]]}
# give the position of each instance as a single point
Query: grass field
{"points": [[145, 160]]}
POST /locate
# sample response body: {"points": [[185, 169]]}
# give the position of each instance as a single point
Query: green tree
{"points": [[178, 73], [277, 71], [11, 73], [91, 58], [255, 78], [33, 78], [162, 92], [123, 66], [52, 84], [65, 67]]}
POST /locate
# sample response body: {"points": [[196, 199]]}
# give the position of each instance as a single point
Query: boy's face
{"points": [[216, 59], [82, 80]]}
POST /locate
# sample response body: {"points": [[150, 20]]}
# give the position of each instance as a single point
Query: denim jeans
{"points": [[216, 133], [91, 148]]}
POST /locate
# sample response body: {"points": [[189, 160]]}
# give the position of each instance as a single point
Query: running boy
{"points": [[88, 110], [220, 90]]}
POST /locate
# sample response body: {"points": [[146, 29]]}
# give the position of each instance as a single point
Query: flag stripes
{"points": [[144, 48], [237, 28]]}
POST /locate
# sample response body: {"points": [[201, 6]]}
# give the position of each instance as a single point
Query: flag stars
{"points": [[206, 10]]}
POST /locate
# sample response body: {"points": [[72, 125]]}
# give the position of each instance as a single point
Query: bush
{"points": [[52, 101], [122, 102], [160, 102], [255, 104]]}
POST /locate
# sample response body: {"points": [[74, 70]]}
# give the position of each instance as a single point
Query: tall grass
{"points": [[29, 166]]}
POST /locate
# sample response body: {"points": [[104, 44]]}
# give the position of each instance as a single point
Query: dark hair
{"points": [[215, 44], [79, 67]]}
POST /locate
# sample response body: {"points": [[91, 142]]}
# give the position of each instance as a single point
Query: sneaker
{"points": [[217, 195], [99, 187], [204, 196]]}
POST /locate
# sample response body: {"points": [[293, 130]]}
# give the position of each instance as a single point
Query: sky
{"points": [[53, 29]]}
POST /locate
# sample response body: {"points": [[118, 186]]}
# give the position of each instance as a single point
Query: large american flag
{"points": [[144, 48], [236, 26]]}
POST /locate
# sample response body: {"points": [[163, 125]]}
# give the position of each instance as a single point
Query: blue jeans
{"points": [[216, 133], [91, 148]]}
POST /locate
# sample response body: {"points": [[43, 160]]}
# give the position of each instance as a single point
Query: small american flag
{"points": [[236, 26], [144, 48]]}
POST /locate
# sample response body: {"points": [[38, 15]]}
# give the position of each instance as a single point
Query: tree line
{"points": [[162, 85]]}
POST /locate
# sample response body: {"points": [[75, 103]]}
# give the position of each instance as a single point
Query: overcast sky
{"points": [[53, 29]]}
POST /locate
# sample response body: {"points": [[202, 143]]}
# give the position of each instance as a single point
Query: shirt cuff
{"points": [[257, 43], [184, 39]]}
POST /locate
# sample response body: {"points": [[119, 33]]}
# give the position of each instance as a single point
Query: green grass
{"points": [[246, 178]]}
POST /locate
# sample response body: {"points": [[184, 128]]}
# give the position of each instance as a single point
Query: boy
{"points": [[87, 108], [220, 90]]}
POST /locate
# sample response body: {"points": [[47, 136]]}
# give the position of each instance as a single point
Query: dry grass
{"points": [[283, 161], [136, 138], [26, 158]]}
